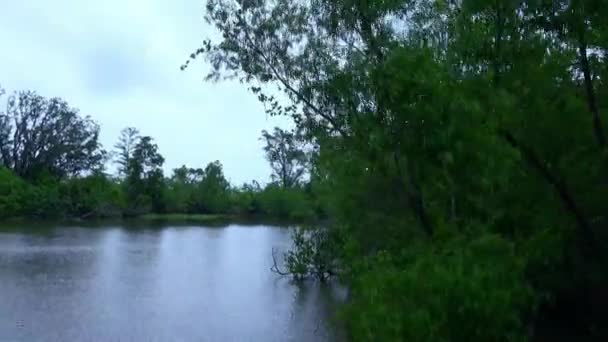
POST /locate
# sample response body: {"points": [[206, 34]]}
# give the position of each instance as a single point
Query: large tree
{"points": [[285, 151], [39, 134], [459, 140]]}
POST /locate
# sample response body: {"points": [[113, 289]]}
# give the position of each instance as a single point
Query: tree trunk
{"points": [[590, 91]]}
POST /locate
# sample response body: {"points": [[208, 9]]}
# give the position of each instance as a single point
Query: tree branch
{"points": [[565, 195], [591, 99], [288, 86], [275, 267]]}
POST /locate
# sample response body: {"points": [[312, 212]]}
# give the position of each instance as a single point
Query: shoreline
{"points": [[174, 218]]}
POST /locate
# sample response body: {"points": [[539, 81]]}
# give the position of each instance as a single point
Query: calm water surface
{"points": [[168, 283]]}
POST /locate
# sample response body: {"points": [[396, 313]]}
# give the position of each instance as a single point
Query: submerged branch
{"points": [[275, 267]]}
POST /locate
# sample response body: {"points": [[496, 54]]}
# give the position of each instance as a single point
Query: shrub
{"points": [[286, 203], [12, 194], [472, 291]]}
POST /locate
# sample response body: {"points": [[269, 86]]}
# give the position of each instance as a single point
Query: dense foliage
{"points": [[461, 154], [40, 135]]}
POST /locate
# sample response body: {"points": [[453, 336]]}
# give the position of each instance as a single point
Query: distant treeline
{"points": [[53, 166]]}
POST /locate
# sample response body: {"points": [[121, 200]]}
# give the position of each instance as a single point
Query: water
{"points": [[171, 283]]}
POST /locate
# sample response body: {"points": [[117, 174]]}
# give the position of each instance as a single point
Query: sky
{"points": [[118, 61]]}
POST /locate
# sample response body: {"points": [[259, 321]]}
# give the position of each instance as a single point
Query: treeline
{"points": [[53, 166], [462, 155]]}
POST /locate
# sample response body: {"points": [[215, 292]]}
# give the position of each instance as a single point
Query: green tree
{"points": [[145, 181], [39, 135], [212, 191], [286, 155], [440, 125], [125, 147], [181, 189]]}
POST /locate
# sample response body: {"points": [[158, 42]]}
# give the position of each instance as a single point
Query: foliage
{"points": [[204, 191], [181, 189], [313, 254], [145, 181], [128, 139], [46, 135], [52, 166], [466, 292], [81, 197], [441, 126], [286, 155], [212, 191], [194, 218], [245, 199], [13, 191], [93, 196], [279, 202]]}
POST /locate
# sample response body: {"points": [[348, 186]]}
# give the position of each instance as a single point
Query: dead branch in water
{"points": [[275, 267]]}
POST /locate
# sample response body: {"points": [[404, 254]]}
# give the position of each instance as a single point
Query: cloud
{"points": [[118, 61], [110, 71]]}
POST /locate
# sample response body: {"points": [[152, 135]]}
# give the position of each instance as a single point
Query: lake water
{"points": [[154, 283]]}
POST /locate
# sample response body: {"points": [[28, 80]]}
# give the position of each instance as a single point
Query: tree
{"points": [[5, 133], [285, 152], [212, 191], [145, 179], [189, 176], [39, 134], [129, 138], [440, 124], [181, 189]]}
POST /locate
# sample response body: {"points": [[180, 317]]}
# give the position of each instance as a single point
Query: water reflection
{"points": [[140, 282]]}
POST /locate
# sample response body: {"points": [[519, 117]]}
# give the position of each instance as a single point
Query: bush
{"points": [[466, 292], [13, 192], [313, 254], [93, 196], [44, 200], [292, 203], [20, 198], [244, 202]]}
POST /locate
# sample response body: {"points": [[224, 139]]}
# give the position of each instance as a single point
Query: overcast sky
{"points": [[118, 61]]}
